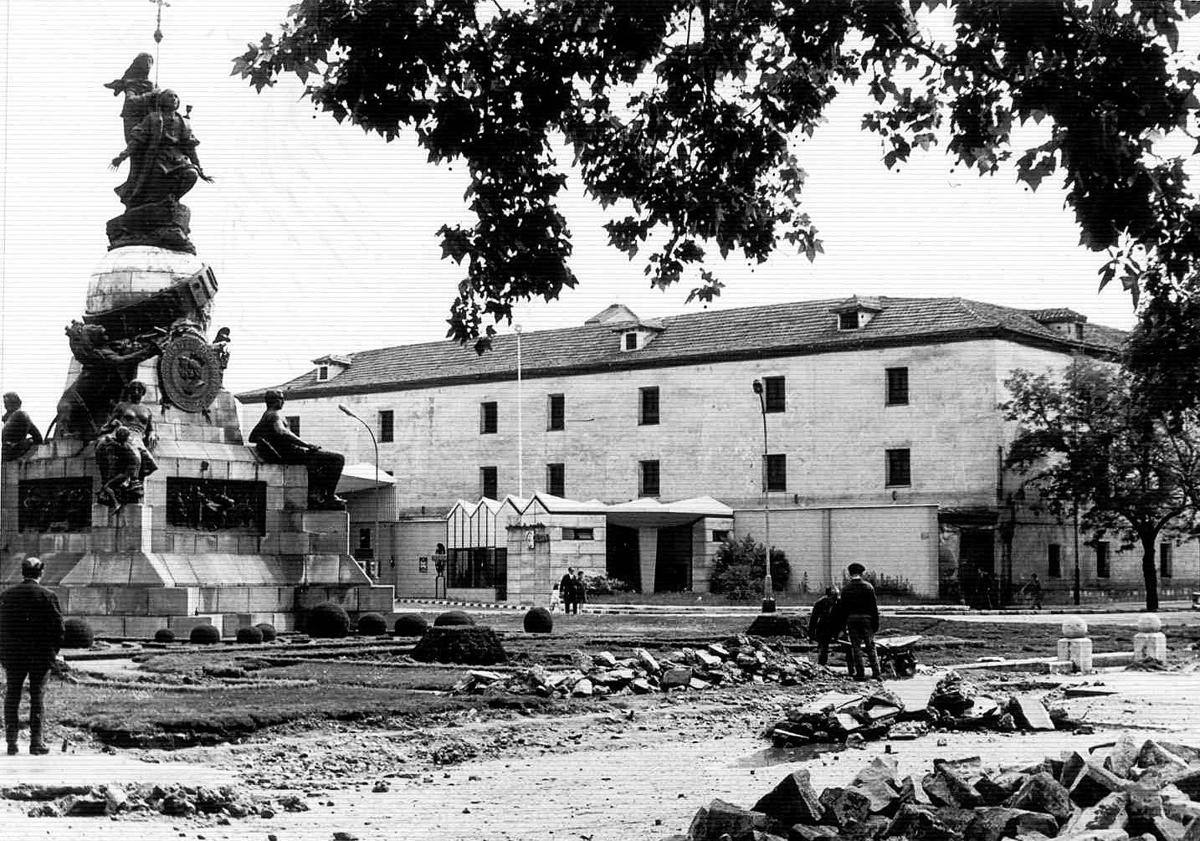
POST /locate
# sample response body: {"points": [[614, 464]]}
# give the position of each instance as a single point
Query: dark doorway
{"points": [[501, 575], [622, 558], [674, 568], [977, 567]]}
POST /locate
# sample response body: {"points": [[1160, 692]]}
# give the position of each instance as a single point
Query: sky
{"points": [[323, 238]]}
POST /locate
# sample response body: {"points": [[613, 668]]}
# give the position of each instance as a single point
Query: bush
{"points": [[777, 625], [77, 634], [205, 635], [372, 625], [468, 644], [451, 618], [599, 584], [249, 635], [164, 635], [328, 620], [539, 621], [411, 625], [738, 569], [268, 631], [887, 585]]}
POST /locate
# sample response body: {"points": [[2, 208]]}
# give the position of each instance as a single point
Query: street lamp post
{"points": [[520, 422], [768, 602], [376, 540]]}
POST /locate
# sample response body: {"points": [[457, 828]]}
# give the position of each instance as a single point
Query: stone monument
{"points": [[1075, 647], [1149, 643], [145, 504]]}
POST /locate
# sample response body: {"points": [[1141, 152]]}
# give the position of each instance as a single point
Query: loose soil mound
{"points": [[474, 645], [777, 625]]}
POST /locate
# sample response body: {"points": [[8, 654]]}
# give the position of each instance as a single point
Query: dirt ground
{"points": [[377, 749]]}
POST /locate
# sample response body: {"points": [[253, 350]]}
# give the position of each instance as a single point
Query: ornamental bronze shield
{"points": [[189, 372]]}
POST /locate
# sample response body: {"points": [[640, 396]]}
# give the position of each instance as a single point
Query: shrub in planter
{"points": [[268, 631], [473, 645], [372, 625], [411, 625], [328, 620], [739, 567], [164, 635], [77, 634], [249, 635], [453, 617], [205, 635], [539, 621]]}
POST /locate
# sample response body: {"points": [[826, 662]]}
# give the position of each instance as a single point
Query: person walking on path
{"points": [[861, 613], [31, 633], [566, 591], [825, 623], [580, 589]]}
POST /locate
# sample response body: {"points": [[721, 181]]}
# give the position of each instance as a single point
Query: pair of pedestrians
{"points": [[854, 610]]}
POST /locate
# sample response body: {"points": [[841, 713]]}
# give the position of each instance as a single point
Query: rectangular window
{"points": [[1102, 570], [293, 422], [848, 320], [1166, 560], [720, 535], [487, 482], [556, 412], [776, 472], [556, 479], [578, 534], [897, 386], [631, 341], [1054, 560], [364, 538], [648, 478], [898, 470], [776, 394], [387, 423], [648, 408], [487, 418]]}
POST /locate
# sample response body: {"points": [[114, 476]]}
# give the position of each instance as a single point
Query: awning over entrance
{"points": [[362, 477], [650, 513]]}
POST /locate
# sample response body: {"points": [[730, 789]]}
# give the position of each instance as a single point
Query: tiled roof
{"points": [[745, 333]]}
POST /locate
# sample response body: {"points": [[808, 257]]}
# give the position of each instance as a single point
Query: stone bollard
{"points": [[1075, 647], [1149, 643]]}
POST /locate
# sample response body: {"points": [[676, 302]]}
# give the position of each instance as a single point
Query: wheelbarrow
{"points": [[897, 657]]}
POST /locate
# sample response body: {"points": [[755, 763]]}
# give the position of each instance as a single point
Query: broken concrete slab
{"points": [[842, 805], [1094, 784], [792, 801], [1109, 812], [1043, 793], [1122, 756], [1032, 711]]}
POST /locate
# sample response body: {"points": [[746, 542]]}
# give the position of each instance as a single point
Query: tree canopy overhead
{"points": [[683, 111]]}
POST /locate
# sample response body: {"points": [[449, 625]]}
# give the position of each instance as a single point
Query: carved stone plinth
{"points": [[1078, 652], [1152, 646]]}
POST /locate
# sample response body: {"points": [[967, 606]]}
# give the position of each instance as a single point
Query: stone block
{"points": [[330, 543], [1154, 755], [1150, 646], [321, 522], [103, 539], [227, 543], [293, 543], [208, 599], [143, 627], [285, 623], [102, 515], [1094, 784], [378, 599], [1042, 793], [106, 626], [165, 601], [295, 498], [51, 543], [206, 544], [248, 544], [841, 806], [240, 471], [86, 601], [1123, 756], [1077, 652], [128, 601], [182, 542], [233, 600], [1033, 712], [1107, 813], [310, 597], [182, 625], [267, 599]]}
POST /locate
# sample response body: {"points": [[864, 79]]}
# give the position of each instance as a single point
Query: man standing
{"points": [[31, 632], [20, 435], [825, 623], [566, 590], [862, 620]]}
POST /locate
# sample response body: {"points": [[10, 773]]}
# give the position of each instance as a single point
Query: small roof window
{"points": [[854, 313]]}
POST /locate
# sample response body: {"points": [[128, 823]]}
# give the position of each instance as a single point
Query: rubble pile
{"points": [[1148, 791], [219, 804], [954, 704], [745, 659]]}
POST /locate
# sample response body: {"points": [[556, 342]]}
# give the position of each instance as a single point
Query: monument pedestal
{"points": [[219, 537]]}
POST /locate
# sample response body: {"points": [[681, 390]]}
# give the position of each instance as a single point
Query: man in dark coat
{"points": [[566, 591], [825, 623], [31, 632], [861, 611]]}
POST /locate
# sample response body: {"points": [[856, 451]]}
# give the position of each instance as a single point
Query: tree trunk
{"points": [[1150, 569]]}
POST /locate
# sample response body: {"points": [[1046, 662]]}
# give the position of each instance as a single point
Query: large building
{"points": [[874, 424]]}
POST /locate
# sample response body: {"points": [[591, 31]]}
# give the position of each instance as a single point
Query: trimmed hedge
{"points": [[452, 618], [249, 635], [77, 634], [328, 620], [539, 621], [268, 631], [205, 635], [469, 644], [411, 625], [372, 625], [164, 635]]}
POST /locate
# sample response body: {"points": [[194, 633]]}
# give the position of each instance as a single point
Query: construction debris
{"points": [[745, 659], [175, 801], [1133, 792]]}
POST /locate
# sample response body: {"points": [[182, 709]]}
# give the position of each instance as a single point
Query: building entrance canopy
{"points": [[650, 513], [362, 477]]}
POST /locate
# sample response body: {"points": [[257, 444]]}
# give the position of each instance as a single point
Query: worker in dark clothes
{"points": [[825, 623], [31, 632], [861, 612]]}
